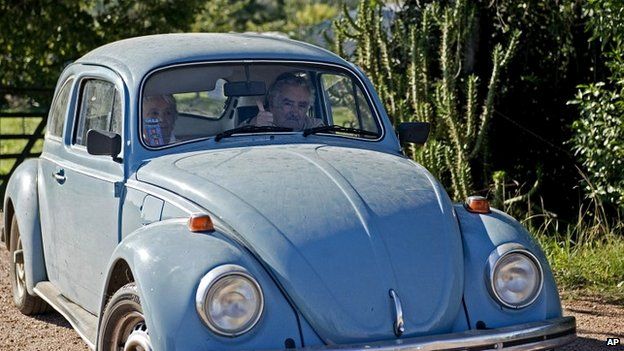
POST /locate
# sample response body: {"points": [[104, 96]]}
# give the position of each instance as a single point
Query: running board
{"points": [[83, 322]]}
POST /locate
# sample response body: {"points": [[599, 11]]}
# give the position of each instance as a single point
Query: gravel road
{"points": [[596, 320]]}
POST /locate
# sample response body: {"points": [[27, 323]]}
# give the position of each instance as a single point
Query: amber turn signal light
{"points": [[477, 204], [200, 223]]}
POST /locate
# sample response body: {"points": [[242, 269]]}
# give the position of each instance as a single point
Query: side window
{"points": [[100, 109], [345, 104], [58, 112]]}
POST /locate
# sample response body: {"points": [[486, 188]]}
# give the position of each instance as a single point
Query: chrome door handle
{"points": [[399, 325], [59, 176]]}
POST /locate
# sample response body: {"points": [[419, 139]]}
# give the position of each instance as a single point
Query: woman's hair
{"points": [[293, 79], [168, 98]]}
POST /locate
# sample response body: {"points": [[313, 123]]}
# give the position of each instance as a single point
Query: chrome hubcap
{"points": [[138, 339], [130, 334], [20, 272]]}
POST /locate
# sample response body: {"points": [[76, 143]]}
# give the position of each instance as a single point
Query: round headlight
{"points": [[515, 277], [229, 300]]}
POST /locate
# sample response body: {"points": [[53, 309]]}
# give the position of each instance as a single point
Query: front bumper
{"points": [[543, 335]]}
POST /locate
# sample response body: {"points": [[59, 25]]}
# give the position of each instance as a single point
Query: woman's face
{"points": [[164, 112]]}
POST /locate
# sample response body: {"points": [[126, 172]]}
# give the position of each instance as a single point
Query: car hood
{"points": [[339, 228]]}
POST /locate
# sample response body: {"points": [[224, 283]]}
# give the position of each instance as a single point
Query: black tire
{"points": [[25, 303], [123, 324]]}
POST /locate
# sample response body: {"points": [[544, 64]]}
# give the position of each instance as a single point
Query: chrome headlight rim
{"points": [[209, 280], [494, 260]]}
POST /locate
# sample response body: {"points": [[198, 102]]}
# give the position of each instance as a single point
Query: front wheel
{"points": [[123, 324], [25, 303]]}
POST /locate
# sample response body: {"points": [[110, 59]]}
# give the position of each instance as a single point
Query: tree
{"points": [[40, 37], [296, 19], [51, 34]]}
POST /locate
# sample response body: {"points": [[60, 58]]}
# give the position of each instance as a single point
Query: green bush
{"points": [[598, 139]]}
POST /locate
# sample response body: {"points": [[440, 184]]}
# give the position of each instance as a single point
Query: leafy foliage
{"points": [[296, 19], [598, 139], [39, 38], [114, 20], [238, 16]]}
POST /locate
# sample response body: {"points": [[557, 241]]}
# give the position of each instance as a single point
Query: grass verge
{"points": [[586, 255], [588, 268]]}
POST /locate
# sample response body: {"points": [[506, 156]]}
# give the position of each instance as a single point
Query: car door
{"points": [[88, 191], [50, 181]]}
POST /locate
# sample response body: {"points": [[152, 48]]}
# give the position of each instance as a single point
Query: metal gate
{"points": [[19, 133], [8, 134]]}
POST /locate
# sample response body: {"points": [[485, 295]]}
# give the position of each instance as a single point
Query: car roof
{"points": [[135, 57]]}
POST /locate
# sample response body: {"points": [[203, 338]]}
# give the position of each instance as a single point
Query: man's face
{"points": [[164, 112], [290, 108]]}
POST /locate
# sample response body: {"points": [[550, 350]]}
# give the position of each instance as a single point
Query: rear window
{"points": [[58, 112]]}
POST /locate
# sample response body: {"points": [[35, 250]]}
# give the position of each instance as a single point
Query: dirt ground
{"points": [[596, 321]]}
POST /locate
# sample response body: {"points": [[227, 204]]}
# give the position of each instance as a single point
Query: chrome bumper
{"points": [[543, 335]]}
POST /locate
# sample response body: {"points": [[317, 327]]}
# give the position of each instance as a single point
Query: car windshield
{"points": [[217, 100]]}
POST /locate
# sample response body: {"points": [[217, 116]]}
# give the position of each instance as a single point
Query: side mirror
{"points": [[414, 132], [103, 143]]}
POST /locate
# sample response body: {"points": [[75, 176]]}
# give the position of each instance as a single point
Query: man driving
{"points": [[289, 99]]}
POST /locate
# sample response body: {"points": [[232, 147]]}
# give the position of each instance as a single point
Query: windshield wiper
{"points": [[337, 128], [250, 129]]}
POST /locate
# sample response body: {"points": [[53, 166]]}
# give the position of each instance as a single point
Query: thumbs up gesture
{"points": [[264, 118]]}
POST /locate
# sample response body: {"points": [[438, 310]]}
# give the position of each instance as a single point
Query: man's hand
{"points": [[264, 118]]}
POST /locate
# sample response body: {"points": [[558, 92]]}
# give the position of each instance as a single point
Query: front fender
{"points": [[167, 262], [481, 234], [22, 195]]}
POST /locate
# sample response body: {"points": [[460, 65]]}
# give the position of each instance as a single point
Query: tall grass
{"points": [[586, 255], [592, 267]]}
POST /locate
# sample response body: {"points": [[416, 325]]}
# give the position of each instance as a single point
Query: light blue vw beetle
{"points": [[226, 192]]}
